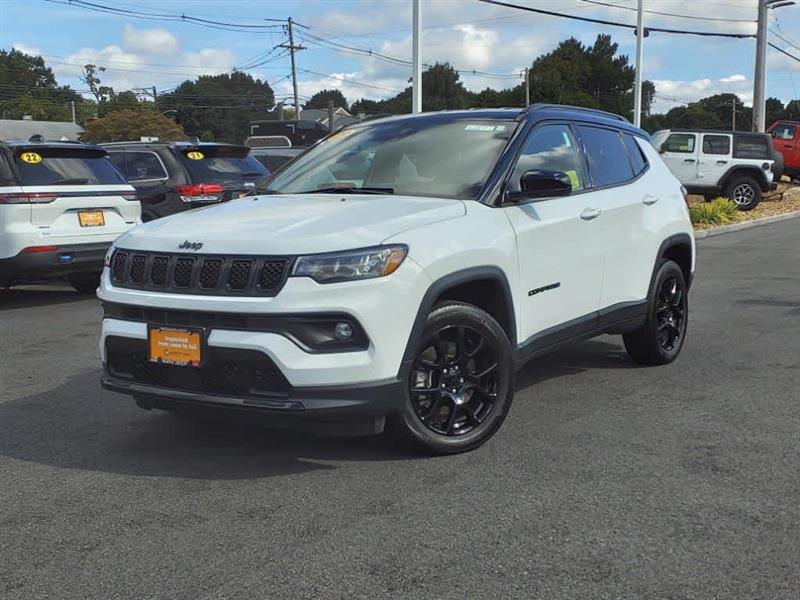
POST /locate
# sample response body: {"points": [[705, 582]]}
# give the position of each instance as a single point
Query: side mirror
{"points": [[542, 183], [662, 149]]}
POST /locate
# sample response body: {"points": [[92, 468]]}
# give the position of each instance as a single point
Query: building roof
{"points": [[22, 129], [341, 118]]}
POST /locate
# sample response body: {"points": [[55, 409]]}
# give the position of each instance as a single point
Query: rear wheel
{"points": [[660, 339], [85, 283], [461, 383], [744, 191]]}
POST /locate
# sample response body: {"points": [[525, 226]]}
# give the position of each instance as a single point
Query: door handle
{"points": [[590, 213], [722, 162], [688, 160], [649, 200]]}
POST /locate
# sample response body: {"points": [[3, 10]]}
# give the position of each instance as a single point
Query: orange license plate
{"points": [[176, 346], [91, 218]]}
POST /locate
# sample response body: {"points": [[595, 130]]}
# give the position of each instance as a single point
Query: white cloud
{"points": [[672, 93], [30, 50], [149, 41]]}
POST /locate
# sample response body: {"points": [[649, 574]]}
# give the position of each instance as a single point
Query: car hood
{"points": [[291, 224]]}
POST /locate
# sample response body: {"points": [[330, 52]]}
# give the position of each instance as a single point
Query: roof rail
{"points": [[595, 111]]}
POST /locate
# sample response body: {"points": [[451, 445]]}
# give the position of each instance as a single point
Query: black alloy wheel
{"points": [[460, 384], [660, 339]]}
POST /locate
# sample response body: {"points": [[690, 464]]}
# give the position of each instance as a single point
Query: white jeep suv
{"points": [[402, 269], [61, 206]]}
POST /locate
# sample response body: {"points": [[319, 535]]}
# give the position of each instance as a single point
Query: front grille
{"points": [[225, 371], [200, 274]]}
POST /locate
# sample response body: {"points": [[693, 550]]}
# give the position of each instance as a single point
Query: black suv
{"points": [[171, 177]]}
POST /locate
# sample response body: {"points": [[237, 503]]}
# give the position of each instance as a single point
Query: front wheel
{"points": [[461, 383], [85, 283], [660, 339]]}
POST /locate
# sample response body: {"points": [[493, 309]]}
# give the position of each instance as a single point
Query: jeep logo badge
{"points": [[187, 245]]}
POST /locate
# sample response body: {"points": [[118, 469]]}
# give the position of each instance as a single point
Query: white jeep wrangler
{"points": [[402, 269], [739, 165]]}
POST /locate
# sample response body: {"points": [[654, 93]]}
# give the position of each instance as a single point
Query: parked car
{"points": [[172, 177], [739, 165], [410, 290], [61, 206], [785, 141]]}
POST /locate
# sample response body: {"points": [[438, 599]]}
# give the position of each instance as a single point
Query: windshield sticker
{"points": [[474, 127], [32, 158], [573, 179], [194, 155]]}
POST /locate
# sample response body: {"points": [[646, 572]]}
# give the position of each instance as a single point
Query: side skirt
{"points": [[617, 319]]}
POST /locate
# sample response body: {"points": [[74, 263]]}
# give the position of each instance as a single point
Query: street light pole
{"points": [[416, 80], [637, 86], [760, 79]]}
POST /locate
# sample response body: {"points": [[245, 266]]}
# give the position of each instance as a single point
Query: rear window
{"points": [[608, 158], [751, 146], [222, 164], [65, 166]]}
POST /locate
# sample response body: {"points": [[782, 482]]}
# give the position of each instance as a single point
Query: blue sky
{"points": [[469, 34]]}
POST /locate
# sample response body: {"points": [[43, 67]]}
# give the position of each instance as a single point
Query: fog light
{"points": [[343, 331]]}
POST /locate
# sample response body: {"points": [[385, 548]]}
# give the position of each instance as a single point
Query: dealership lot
{"points": [[608, 480]]}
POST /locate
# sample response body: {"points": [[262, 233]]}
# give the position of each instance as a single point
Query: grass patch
{"points": [[720, 211]]}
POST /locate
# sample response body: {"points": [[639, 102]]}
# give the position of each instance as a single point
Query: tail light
{"points": [[200, 192], [39, 249], [31, 198], [685, 193]]}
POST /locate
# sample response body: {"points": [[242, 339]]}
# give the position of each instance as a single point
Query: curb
{"points": [[704, 233]]}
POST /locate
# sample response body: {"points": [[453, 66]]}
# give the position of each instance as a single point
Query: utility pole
{"points": [[527, 86], [330, 116], [416, 78], [292, 49], [733, 114], [637, 86], [155, 98], [760, 79]]}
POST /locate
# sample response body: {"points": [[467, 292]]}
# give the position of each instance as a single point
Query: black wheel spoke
{"points": [[434, 408], [451, 419], [485, 372], [471, 416], [476, 349]]}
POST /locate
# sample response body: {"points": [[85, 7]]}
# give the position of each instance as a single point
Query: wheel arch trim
{"points": [[449, 281]]}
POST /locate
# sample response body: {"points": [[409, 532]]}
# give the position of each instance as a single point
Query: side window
{"points": [[607, 157], [716, 144], [750, 146], [679, 142], [784, 132], [638, 159], [144, 166], [550, 147], [118, 158]]}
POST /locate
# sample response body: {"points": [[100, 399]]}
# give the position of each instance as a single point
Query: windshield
{"points": [[411, 157], [65, 166], [222, 164]]}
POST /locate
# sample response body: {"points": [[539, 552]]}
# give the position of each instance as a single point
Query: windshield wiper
{"points": [[351, 190], [73, 181], [252, 174]]}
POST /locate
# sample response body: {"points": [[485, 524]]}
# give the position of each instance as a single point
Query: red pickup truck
{"points": [[786, 140]]}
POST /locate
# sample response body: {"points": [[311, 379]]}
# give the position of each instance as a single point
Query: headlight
{"points": [[348, 266], [109, 254]]}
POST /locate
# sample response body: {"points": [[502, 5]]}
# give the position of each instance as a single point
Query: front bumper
{"points": [[64, 261]]}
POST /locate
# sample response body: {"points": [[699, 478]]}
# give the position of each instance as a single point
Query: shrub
{"points": [[717, 212]]}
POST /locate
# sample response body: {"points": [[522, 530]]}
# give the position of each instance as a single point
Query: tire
{"points": [[746, 189], [85, 283], [660, 340], [461, 384], [777, 166], [710, 197]]}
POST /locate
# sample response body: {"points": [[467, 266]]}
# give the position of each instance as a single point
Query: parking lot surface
{"points": [[608, 480]]}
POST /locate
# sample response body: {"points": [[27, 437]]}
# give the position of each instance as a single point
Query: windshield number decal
{"points": [[194, 155], [32, 158]]}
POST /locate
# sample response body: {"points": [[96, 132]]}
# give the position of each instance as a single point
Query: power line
{"points": [[614, 23], [350, 81], [782, 51], [667, 14]]}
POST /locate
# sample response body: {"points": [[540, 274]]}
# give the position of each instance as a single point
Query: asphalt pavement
{"points": [[608, 480]]}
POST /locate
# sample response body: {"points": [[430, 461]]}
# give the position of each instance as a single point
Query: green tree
{"points": [[321, 98], [131, 124], [220, 107], [28, 87]]}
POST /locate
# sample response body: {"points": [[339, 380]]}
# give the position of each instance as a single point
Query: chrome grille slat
{"points": [[183, 273]]}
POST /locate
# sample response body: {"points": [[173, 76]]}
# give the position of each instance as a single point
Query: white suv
{"points": [[61, 207], [739, 165], [402, 269]]}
